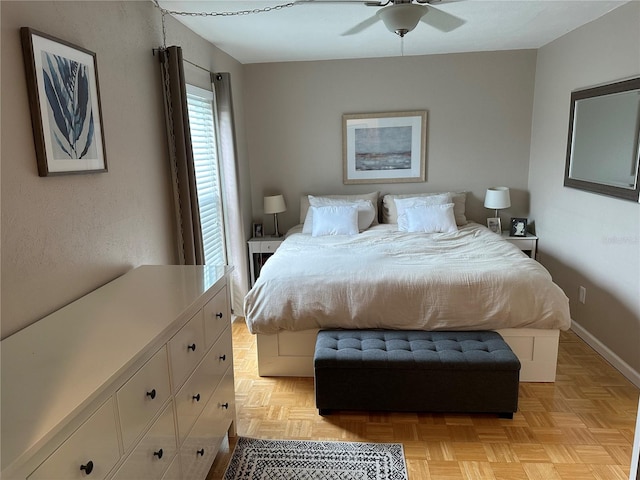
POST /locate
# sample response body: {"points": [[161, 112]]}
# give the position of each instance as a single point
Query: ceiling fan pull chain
{"points": [[402, 46]]}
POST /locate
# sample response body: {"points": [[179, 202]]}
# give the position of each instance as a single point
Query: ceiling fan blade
{"points": [[302, 2], [362, 25], [441, 20]]}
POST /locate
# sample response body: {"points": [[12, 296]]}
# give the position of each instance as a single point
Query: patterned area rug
{"points": [[304, 460]]}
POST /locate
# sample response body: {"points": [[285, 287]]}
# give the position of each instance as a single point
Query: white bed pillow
{"points": [[402, 204], [390, 214], [430, 219], [334, 220], [366, 211], [373, 197]]}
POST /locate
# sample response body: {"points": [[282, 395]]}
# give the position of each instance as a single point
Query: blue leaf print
{"points": [[68, 94], [55, 104], [89, 135]]}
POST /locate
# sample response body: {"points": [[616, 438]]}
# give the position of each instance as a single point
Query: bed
{"points": [[464, 278]]}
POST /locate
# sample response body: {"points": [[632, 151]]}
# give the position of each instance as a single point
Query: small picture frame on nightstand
{"points": [[518, 227], [257, 230], [494, 225]]}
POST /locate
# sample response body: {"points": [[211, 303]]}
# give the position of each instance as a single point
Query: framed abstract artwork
{"points": [[384, 147], [64, 99]]}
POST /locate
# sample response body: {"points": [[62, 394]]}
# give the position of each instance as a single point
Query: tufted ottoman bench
{"points": [[415, 371]]}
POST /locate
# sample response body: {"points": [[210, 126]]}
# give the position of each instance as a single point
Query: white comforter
{"points": [[382, 278]]}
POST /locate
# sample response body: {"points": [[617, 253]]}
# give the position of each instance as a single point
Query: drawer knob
{"points": [[152, 394], [158, 454], [192, 347], [223, 357], [88, 468], [201, 452], [196, 397], [219, 315], [224, 405]]}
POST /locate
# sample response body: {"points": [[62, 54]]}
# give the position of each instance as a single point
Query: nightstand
{"points": [[260, 249], [527, 244]]}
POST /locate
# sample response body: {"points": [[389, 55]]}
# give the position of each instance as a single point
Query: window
{"points": [[205, 156]]}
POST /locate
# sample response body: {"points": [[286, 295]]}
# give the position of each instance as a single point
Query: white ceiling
{"points": [[314, 31]]}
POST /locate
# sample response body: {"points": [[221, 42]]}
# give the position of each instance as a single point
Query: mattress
{"points": [[382, 278]]}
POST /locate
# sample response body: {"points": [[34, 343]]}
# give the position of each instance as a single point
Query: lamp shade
{"points": [[497, 197], [401, 18], [274, 204]]}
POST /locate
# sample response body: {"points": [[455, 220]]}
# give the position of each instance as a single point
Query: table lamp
{"points": [[274, 204], [497, 198]]}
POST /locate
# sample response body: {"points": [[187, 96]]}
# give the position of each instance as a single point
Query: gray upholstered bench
{"points": [[415, 371]]}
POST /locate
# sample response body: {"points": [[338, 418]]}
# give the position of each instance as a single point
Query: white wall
{"points": [[588, 239], [479, 122], [65, 236]]}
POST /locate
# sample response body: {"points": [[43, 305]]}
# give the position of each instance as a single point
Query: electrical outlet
{"points": [[582, 295]]}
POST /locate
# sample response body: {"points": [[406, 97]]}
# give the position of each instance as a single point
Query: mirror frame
{"points": [[619, 192]]}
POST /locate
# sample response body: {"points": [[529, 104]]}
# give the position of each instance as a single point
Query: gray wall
{"points": [[479, 122], [62, 237], [588, 239], [65, 236]]}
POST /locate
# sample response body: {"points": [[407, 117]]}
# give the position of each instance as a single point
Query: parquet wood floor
{"points": [[579, 428]]}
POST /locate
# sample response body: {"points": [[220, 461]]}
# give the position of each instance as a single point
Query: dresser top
{"points": [[56, 366]]}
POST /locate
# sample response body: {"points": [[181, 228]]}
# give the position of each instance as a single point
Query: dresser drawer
{"points": [[193, 396], [201, 446], [197, 459], [186, 349], [140, 399], [153, 455], [267, 246], [92, 448], [219, 413], [217, 316], [174, 472], [222, 356]]}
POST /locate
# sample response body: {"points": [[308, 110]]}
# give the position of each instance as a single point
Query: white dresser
{"points": [[132, 381]]}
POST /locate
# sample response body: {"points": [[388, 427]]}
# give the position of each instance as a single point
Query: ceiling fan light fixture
{"points": [[401, 18]]}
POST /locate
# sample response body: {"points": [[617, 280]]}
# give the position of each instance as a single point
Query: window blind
{"points": [[203, 140]]}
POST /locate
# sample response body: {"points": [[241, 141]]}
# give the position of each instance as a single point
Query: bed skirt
{"points": [[290, 354]]}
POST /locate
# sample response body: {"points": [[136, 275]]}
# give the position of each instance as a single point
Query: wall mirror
{"points": [[603, 149]]}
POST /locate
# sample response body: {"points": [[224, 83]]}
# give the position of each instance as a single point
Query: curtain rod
{"points": [[198, 66], [216, 75], [187, 61]]}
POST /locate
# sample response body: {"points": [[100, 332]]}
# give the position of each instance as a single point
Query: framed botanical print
{"points": [[64, 99]]}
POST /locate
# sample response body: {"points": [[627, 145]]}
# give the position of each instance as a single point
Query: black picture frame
{"points": [[257, 230], [64, 99], [518, 227]]}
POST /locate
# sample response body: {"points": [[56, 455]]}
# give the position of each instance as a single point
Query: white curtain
{"points": [[236, 245]]}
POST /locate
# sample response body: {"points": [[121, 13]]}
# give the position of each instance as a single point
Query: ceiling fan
{"points": [[402, 16]]}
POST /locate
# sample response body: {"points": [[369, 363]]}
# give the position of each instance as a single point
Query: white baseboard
{"points": [[624, 368]]}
